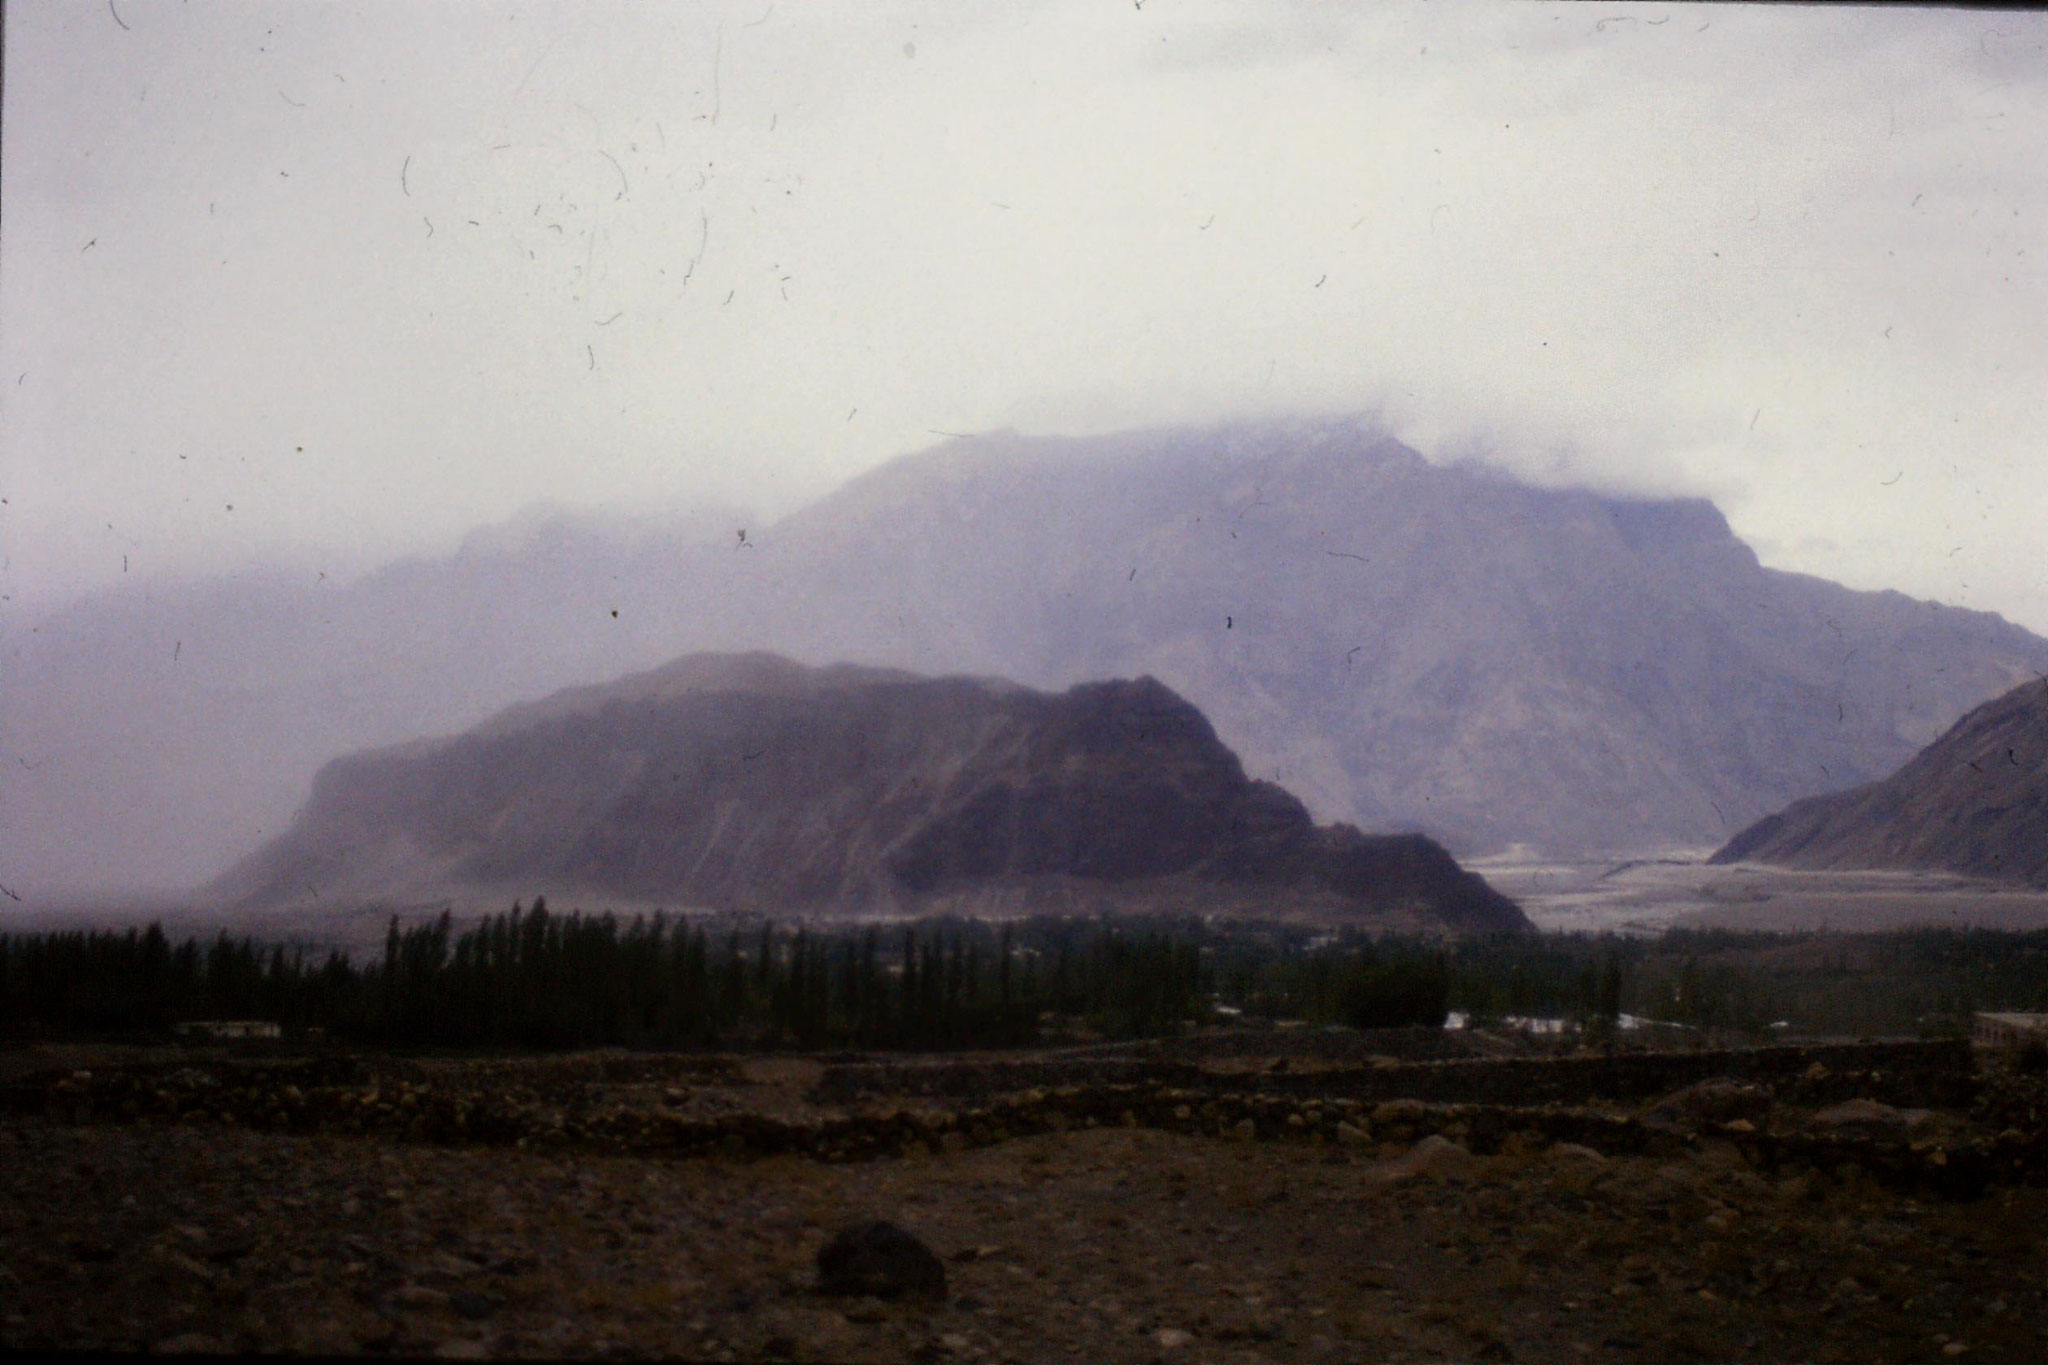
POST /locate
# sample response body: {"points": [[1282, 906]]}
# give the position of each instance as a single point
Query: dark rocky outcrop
{"points": [[749, 783], [1974, 802]]}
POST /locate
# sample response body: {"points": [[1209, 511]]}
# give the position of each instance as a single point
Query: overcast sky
{"points": [[331, 281]]}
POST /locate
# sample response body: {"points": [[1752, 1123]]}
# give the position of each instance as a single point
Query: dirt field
{"points": [[1108, 1243]]}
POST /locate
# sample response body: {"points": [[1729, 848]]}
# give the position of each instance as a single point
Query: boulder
{"points": [[882, 1260], [1433, 1156]]}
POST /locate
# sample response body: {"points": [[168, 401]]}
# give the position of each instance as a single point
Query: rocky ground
{"points": [[1275, 1229]]}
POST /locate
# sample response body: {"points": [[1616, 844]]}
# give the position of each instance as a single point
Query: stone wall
{"points": [[1504, 1107], [1918, 1074]]}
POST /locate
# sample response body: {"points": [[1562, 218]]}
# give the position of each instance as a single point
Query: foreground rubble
{"points": [[1868, 1202]]}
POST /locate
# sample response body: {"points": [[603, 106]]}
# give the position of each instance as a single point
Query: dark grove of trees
{"points": [[535, 979]]}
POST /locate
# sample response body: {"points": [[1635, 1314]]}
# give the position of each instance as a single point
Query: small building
{"points": [[229, 1028], [2009, 1030]]}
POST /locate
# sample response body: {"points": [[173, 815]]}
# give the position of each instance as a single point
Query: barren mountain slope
{"points": [[750, 783], [1975, 801]]}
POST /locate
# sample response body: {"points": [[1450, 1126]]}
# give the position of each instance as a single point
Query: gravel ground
{"points": [[1097, 1245]]}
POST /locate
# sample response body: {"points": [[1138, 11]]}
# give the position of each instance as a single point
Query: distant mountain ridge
{"points": [[748, 783], [1403, 645], [1975, 801]]}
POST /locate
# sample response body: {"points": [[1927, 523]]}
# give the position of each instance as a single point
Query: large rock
{"points": [[749, 783], [1435, 1156], [880, 1259]]}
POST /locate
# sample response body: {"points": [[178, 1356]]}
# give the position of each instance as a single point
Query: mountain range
{"points": [[1404, 645]]}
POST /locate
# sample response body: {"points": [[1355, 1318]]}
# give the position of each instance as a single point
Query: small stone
{"points": [[1351, 1135], [196, 1269], [189, 1344], [472, 1305], [1172, 1338], [418, 1296], [980, 1253], [1244, 1130], [954, 1341], [1955, 1348]]}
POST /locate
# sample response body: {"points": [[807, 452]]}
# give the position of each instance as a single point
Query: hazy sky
{"points": [[329, 281]]}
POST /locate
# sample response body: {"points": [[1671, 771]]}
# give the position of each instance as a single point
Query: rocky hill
{"points": [[1402, 644], [750, 783], [1975, 801]]}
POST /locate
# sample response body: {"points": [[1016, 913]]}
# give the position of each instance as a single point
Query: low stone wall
{"points": [[846, 1084], [1914, 1074], [1296, 1044], [292, 1098], [1910, 1074]]}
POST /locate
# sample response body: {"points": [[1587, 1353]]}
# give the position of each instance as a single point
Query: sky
{"points": [[325, 283]]}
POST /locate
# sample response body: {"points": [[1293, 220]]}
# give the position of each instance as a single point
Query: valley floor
{"points": [[1682, 890]]}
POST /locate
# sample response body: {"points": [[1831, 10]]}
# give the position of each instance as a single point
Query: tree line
{"points": [[533, 978]]}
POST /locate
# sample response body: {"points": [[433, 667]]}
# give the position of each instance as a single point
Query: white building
{"points": [[2009, 1030]]}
